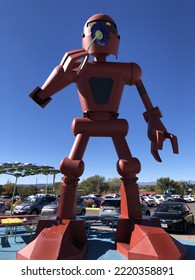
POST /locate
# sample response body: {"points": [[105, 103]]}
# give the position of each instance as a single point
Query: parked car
{"points": [[145, 210], [5, 197], [174, 216], [111, 207], [179, 199], [189, 198], [149, 200], [2, 207], [52, 208], [111, 195], [33, 205], [159, 198], [169, 198], [175, 197]]}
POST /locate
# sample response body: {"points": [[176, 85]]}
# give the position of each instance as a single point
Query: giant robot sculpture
{"points": [[100, 86]]}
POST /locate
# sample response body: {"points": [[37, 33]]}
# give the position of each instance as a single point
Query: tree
{"points": [[114, 185], [165, 184], [150, 188], [24, 191], [8, 188], [95, 184]]}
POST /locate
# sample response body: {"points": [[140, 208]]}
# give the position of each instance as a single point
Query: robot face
{"points": [[111, 27], [100, 36]]}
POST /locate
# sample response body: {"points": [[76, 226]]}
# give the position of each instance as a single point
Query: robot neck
{"points": [[100, 58]]}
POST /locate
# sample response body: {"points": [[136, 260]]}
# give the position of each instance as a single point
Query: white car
{"points": [[159, 198], [188, 198], [111, 195], [149, 200], [176, 196]]}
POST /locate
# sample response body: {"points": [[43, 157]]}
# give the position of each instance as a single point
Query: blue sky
{"points": [[158, 35]]}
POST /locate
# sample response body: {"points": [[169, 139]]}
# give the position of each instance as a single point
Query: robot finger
{"points": [[155, 154], [174, 144], [160, 139], [173, 140]]}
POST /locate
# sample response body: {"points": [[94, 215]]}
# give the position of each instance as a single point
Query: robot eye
{"points": [[112, 27], [90, 24], [87, 28]]}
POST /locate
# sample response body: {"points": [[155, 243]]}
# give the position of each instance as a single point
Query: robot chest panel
{"points": [[101, 89]]}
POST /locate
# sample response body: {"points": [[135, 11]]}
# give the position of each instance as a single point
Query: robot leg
{"points": [[72, 167], [72, 170], [130, 202], [127, 167]]}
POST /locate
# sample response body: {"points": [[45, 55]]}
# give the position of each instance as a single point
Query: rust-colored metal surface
{"points": [[100, 86], [144, 239], [64, 241]]}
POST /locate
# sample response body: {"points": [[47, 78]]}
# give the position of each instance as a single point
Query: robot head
{"points": [[100, 36]]}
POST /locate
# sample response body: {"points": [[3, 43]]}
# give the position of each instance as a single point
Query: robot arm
{"points": [[157, 133], [61, 76]]}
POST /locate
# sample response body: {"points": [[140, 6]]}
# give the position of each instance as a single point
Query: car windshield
{"points": [[109, 202], [169, 208], [79, 200], [54, 202], [33, 200]]}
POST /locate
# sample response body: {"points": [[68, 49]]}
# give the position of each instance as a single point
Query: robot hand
{"points": [[68, 61], [157, 134], [35, 96]]}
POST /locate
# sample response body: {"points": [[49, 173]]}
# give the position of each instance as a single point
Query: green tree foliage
{"points": [[8, 188], [165, 184], [24, 191], [150, 188], [114, 185], [95, 184]]}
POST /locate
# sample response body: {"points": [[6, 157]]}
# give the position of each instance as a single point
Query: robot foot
{"points": [[145, 240], [64, 241]]}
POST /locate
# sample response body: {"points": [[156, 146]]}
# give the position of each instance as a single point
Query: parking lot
{"points": [[95, 211], [190, 235], [95, 235]]}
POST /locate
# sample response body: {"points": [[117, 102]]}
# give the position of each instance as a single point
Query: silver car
{"points": [[52, 208], [111, 207], [33, 205]]}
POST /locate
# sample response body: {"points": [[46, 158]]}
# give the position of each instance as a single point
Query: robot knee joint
{"points": [[128, 167], [72, 168]]}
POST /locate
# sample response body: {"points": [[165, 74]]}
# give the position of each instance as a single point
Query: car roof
{"points": [[173, 202], [118, 198]]}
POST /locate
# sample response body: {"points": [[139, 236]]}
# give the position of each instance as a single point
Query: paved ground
{"points": [[100, 245], [190, 236]]}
